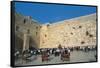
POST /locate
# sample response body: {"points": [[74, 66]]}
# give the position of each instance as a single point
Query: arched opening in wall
{"points": [[32, 43], [73, 27], [17, 28], [90, 35], [28, 31], [36, 33], [80, 26], [24, 21], [71, 33], [36, 27], [87, 33], [82, 42], [45, 35], [18, 43]]}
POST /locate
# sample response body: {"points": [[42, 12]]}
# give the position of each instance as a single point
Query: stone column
{"points": [[26, 42]]}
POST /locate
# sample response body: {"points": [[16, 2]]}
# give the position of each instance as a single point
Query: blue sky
{"points": [[45, 13]]}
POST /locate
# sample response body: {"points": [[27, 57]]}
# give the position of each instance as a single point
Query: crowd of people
{"points": [[47, 52]]}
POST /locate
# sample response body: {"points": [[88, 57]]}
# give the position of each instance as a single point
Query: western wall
{"points": [[79, 31]]}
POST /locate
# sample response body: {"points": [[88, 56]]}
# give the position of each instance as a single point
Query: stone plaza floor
{"points": [[75, 56]]}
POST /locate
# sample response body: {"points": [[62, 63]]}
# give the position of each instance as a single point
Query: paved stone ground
{"points": [[75, 56]]}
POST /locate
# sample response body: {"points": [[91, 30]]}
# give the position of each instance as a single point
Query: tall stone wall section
{"points": [[79, 31], [70, 33], [24, 25]]}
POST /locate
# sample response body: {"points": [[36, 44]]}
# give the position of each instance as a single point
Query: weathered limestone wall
{"points": [[80, 31], [75, 32], [25, 25], [44, 36]]}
